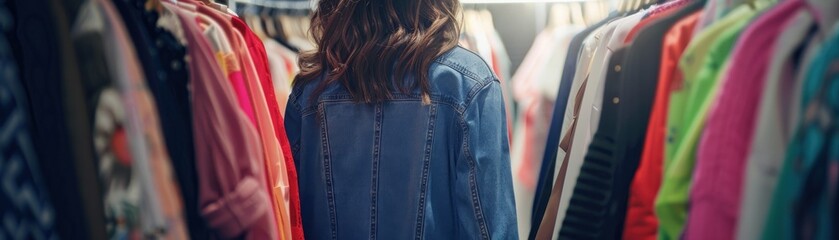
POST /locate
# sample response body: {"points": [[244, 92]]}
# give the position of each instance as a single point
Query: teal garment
{"points": [[804, 202]]}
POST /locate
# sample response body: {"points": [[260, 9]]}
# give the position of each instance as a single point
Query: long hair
{"points": [[363, 43]]}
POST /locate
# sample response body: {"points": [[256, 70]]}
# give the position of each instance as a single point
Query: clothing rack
{"points": [[276, 4], [525, 1]]}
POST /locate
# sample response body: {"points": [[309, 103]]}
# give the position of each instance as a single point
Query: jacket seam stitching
{"points": [[476, 90], [479, 57], [477, 210], [443, 60], [429, 140], [459, 108], [374, 186], [295, 95], [328, 172], [460, 69]]}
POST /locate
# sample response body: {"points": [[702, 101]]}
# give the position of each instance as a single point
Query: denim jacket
{"points": [[404, 169]]}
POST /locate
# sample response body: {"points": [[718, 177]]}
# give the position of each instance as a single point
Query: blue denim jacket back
{"points": [[402, 169]]}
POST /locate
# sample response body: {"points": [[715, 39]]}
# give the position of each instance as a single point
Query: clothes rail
{"points": [[277, 4], [526, 1]]}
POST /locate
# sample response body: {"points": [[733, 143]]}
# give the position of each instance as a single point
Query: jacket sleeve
{"points": [[293, 123], [486, 170]]}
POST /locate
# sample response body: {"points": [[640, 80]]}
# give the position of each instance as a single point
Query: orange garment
{"points": [[289, 177], [641, 221], [228, 61], [233, 201], [274, 164]]}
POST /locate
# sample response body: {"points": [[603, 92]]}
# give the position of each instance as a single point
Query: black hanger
{"points": [[281, 36]]}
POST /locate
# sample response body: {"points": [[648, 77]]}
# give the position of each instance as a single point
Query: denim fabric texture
{"points": [[404, 168]]}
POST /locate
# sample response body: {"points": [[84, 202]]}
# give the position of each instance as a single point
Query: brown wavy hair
{"points": [[362, 43]]}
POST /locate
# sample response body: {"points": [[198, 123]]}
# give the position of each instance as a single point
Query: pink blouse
{"points": [[232, 192]]}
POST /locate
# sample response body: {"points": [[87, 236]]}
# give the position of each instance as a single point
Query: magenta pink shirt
{"points": [[726, 139], [242, 73], [232, 193], [243, 98]]}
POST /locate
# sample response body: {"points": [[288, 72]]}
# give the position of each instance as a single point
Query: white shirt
{"points": [[609, 38]]}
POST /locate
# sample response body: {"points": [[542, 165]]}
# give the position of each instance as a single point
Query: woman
{"points": [[396, 132]]}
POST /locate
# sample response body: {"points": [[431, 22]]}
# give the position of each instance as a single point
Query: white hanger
{"points": [[582, 9], [559, 15], [486, 18], [621, 6], [597, 11], [577, 16]]}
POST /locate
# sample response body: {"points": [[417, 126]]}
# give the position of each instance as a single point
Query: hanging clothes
{"points": [[641, 222], [287, 186], [180, 108], [166, 75], [161, 206], [678, 119], [534, 97], [571, 113], [612, 36], [807, 183], [611, 161], [774, 131], [121, 190], [26, 206], [727, 188], [241, 196], [775, 128], [548, 167], [689, 101], [731, 125], [57, 116], [578, 128], [658, 114]]}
